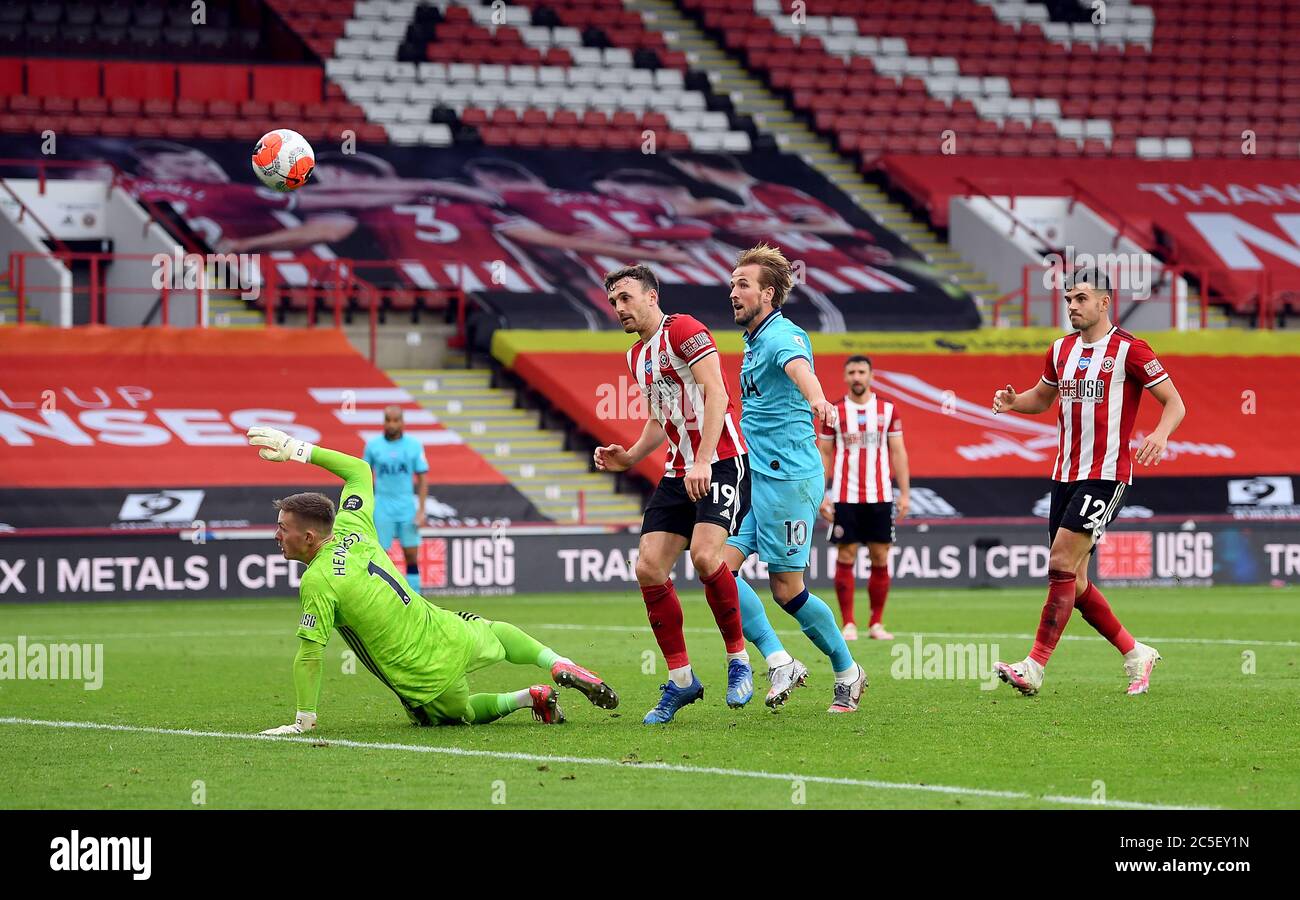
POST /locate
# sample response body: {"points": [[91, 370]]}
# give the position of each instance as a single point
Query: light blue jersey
{"points": [[395, 463], [775, 418]]}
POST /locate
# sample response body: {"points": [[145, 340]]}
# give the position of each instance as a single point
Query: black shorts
{"points": [[1084, 506], [862, 523], [725, 503]]}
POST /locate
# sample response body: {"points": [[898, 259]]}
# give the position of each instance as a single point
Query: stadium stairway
{"points": [[233, 312], [9, 308], [532, 458], [772, 115]]}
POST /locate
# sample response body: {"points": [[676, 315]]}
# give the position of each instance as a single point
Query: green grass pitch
{"points": [[1218, 728]]}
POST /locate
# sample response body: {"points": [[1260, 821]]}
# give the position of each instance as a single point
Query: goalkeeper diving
{"points": [[421, 652]]}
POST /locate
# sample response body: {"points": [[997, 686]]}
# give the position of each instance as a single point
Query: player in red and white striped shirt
{"points": [[858, 456], [704, 494], [1099, 373]]}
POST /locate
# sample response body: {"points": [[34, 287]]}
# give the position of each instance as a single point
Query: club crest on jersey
{"points": [[663, 360], [1107, 364]]}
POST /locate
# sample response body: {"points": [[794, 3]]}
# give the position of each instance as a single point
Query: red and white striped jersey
{"points": [[1100, 386], [661, 367], [861, 473]]}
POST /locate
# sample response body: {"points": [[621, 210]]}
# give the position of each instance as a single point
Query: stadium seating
{"points": [[1170, 79], [585, 74]]}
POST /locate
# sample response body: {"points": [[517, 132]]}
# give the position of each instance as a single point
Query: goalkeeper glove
{"points": [[278, 446], [305, 721]]}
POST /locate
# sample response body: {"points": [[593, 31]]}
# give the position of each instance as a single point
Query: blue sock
{"points": [[818, 622], [753, 620], [413, 576]]}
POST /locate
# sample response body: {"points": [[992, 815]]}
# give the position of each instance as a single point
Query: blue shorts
{"points": [[780, 522], [405, 532]]}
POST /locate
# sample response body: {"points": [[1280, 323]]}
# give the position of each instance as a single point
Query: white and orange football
{"points": [[283, 160]]}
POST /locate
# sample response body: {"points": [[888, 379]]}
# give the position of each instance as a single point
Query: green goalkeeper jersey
{"points": [[414, 647]]}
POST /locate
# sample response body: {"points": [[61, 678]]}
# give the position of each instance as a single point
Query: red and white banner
{"points": [[1240, 410], [1238, 218], [149, 407]]}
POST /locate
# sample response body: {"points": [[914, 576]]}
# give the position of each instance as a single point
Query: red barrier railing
{"points": [[1163, 289]]}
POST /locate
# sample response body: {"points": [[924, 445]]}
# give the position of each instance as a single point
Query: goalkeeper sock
{"points": [[818, 623], [522, 649], [758, 630], [483, 708]]}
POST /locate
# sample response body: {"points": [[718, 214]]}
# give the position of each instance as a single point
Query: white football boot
{"points": [[785, 679], [1138, 664], [1025, 676]]}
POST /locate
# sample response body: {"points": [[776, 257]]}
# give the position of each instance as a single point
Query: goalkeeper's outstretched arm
{"points": [[356, 502]]}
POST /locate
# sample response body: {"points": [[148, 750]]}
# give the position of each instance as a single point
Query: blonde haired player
{"points": [[421, 652]]}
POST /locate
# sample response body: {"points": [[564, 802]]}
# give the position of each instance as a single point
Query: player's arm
{"points": [[826, 444], [800, 372], [1037, 399], [357, 500], [308, 662], [898, 465], [1153, 448], [538, 236], [616, 458], [708, 374], [422, 495], [325, 229]]}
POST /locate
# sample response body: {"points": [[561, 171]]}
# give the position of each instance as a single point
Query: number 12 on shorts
{"points": [[1094, 520]]}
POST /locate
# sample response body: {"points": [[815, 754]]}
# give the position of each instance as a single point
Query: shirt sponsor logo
{"points": [[1086, 389], [308, 621], [1153, 367], [696, 343]]}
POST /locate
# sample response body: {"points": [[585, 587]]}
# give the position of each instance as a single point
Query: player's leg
{"points": [[784, 672], [385, 531], [487, 648], [718, 515], [457, 705], [878, 589], [1139, 659], [409, 537], [522, 649], [1071, 535], [785, 544], [846, 562], [665, 532]]}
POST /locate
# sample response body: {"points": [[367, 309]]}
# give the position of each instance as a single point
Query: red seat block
{"points": [[140, 80], [63, 78], [203, 81]]}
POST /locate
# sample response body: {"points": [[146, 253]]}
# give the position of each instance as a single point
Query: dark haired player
{"points": [[1099, 373], [859, 457]]}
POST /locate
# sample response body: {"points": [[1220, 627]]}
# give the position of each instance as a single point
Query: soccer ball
{"points": [[283, 160]]}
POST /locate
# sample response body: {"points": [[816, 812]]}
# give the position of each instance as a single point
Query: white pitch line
{"points": [[604, 762]]}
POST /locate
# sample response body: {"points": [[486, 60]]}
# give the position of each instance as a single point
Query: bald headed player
{"points": [[399, 507]]}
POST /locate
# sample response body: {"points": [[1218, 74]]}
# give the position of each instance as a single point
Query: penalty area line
{"points": [[674, 768]]}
